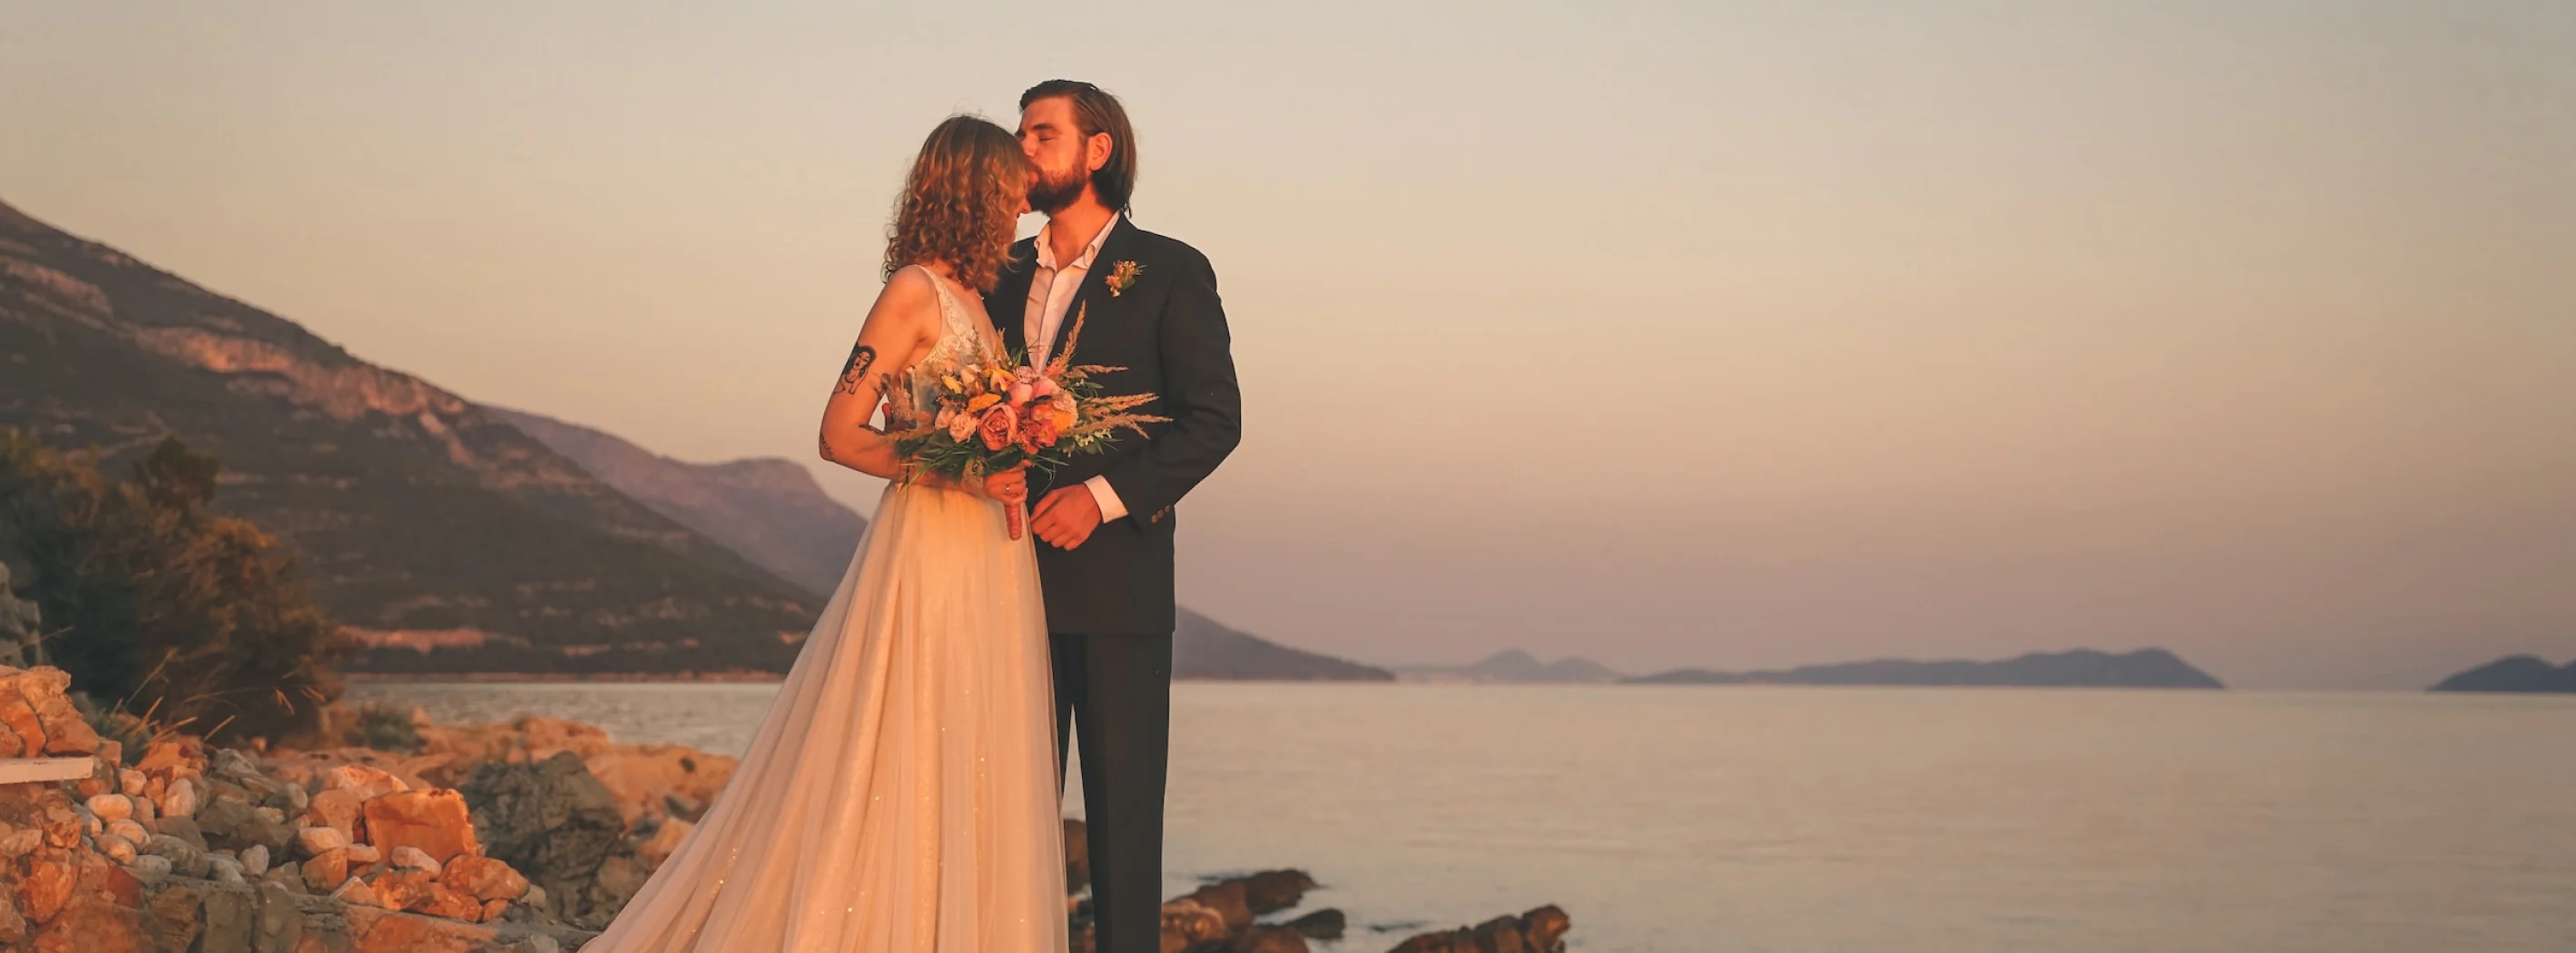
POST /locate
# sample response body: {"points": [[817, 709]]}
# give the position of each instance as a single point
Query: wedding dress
{"points": [[900, 796]]}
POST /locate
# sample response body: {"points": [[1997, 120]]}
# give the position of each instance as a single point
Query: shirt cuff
{"points": [[1110, 506]]}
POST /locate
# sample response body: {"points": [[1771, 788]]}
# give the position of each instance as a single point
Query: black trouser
{"points": [[1116, 691]]}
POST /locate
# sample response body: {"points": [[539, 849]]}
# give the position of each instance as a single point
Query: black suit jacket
{"points": [[1168, 330]]}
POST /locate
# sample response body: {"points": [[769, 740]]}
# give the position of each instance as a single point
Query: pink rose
{"points": [[1000, 427], [1020, 393], [1045, 387]]}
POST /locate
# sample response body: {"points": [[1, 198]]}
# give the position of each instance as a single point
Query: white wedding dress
{"points": [[900, 796]]}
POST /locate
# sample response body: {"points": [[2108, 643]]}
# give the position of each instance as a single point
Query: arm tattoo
{"points": [[855, 371], [826, 442]]}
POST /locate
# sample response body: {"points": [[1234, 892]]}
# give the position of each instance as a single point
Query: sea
{"points": [[1667, 819]]}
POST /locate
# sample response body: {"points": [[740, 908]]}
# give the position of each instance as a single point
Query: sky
{"points": [[1696, 334]]}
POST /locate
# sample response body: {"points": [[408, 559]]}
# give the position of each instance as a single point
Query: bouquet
{"points": [[992, 414]]}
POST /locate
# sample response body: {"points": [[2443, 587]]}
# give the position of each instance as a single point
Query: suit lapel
{"points": [[1090, 303]]}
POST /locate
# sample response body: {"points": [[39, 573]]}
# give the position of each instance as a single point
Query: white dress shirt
{"points": [[1051, 293]]}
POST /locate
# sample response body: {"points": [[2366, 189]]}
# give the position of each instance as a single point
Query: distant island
{"points": [[2083, 668], [2517, 673], [1514, 667]]}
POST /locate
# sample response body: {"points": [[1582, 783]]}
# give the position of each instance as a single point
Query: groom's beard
{"points": [[1050, 193]]}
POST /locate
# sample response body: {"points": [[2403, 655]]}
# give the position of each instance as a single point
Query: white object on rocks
{"points": [[407, 857], [315, 840], [111, 807], [254, 859]]}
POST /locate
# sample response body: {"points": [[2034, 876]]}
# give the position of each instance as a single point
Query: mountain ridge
{"points": [[444, 536], [2519, 674], [1514, 666], [2079, 668]]}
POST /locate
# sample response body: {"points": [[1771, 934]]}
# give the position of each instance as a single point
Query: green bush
{"points": [[157, 607], [387, 727]]}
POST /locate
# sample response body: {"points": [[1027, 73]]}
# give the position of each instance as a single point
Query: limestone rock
{"points": [[435, 821], [183, 828], [1192, 923], [111, 807], [366, 782], [314, 840], [549, 820], [254, 859], [326, 871], [407, 857], [153, 865], [133, 833], [337, 809], [118, 848], [180, 799], [186, 860], [484, 878]]}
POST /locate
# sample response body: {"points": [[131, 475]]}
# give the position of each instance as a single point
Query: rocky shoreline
{"points": [[524, 837]]}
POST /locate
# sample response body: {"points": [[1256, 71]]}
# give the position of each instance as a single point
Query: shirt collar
{"points": [[1046, 249]]}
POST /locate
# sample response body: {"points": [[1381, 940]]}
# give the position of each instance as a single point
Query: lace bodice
{"points": [[961, 338]]}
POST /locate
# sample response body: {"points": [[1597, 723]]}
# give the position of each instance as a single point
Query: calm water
{"points": [[1808, 819]]}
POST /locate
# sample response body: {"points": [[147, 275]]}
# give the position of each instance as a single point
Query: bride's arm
{"points": [[900, 328]]}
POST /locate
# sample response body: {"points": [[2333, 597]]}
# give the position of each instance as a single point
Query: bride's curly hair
{"points": [[961, 203]]}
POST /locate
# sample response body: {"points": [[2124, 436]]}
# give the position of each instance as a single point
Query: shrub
{"points": [[157, 607]]}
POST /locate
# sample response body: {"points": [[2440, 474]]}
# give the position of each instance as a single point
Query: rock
{"points": [[337, 809], [111, 807], [45, 888], [176, 916], [234, 824], [484, 878], [254, 859], [286, 877], [435, 821], [21, 842], [1324, 924], [1227, 899], [180, 800], [13, 925], [1271, 891], [665, 840], [1539, 931], [405, 889], [407, 857], [133, 833], [186, 860], [273, 815], [34, 708], [356, 891], [494, 909], [130, 782], [365, 854], [1268, 939], [183, 828], [153, 865], [549, 820], [445, 902], [118, 848], [324, 872], [1077, 856], [314, 840], [1191, 923], [367, 782], [227, 869]]}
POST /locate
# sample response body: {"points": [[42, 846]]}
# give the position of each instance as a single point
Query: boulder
{"points": [[549, 820], [326, 871], [1187, 923], [1539, 931], [484, 878], [33, 707], [365, 781], [337, 809], [314, 840], [1268, 939], [435, 821], [1324, 924], [408, 857], [183, 828]]}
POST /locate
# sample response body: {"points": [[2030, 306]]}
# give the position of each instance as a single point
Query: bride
{"points": [[900, 795]]}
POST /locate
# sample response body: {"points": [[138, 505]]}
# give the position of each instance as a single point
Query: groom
{"points": [[1104, 522]]}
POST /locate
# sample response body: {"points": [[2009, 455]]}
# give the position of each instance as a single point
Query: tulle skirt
{"points": [[900, 796]]}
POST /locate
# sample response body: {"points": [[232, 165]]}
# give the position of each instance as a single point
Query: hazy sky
{"points": [[1686, 334]]}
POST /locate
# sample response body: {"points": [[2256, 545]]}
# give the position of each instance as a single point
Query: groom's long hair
{"points": [[1098, 112], [960, 203]]}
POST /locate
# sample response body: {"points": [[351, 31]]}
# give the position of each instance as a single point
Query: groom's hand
{"points": [[1067, 516]]}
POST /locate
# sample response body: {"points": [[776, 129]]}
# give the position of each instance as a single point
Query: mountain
{"points": [[1206, 649], [768, 509], [772, 512], [1514, 666], [444, 535], [2149, 668], [2518, 673]]}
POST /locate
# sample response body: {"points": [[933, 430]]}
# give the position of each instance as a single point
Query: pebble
{"points": [[117, 848], [254, 859], [111, 807]]}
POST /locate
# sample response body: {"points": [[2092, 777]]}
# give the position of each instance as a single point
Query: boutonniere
{"points": [[1122, 276]]}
